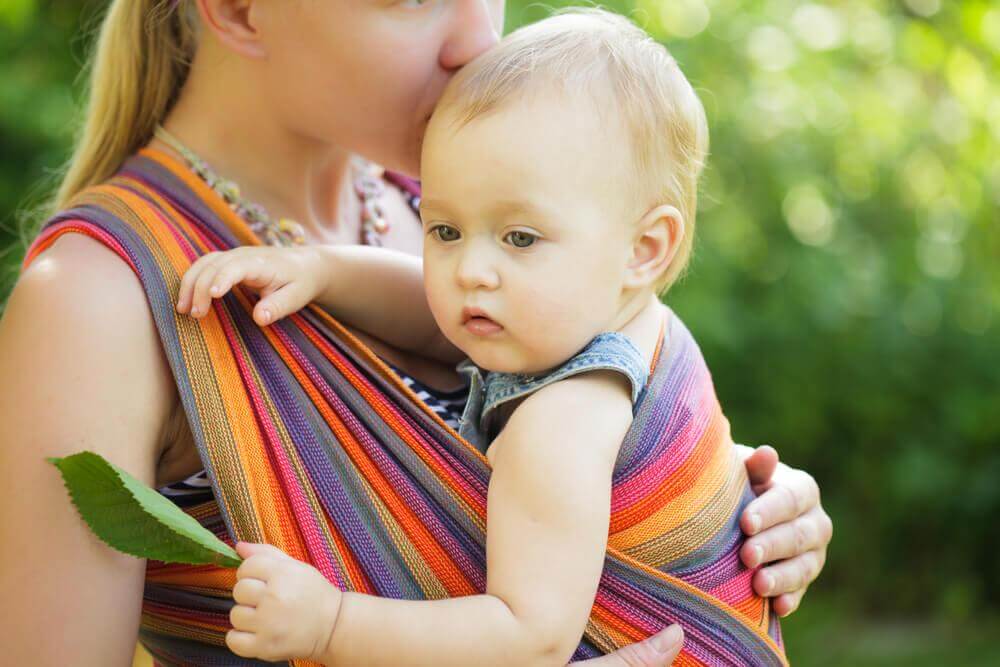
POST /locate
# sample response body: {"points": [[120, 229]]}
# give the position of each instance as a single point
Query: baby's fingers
{"points": [[289, 299], [190, 277], [282, 302], [243, 644], [201, 294]]}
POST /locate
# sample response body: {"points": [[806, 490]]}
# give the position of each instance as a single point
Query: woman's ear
{"points": [[234, 23], [658, 236]]}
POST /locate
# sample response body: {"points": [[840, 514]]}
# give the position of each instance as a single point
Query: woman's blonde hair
{"points": [[624, 70], [139, 63]]}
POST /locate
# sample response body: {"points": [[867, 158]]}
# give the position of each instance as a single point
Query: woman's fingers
{"points": [[789, 529], [812, 530], [659, 650], [786, 603], [793, 493], [790, 575], [761, 466]]}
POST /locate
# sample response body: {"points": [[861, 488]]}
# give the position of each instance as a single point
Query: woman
{"points": [[277, 96]]}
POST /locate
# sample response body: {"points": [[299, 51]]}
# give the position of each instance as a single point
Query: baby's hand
{"points": [[286, 278], [284, 609]]}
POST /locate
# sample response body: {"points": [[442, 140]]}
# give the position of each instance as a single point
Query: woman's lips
{"points": [[482, 326]]}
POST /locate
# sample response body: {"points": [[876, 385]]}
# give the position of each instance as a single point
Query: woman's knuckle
{"points": [[815, 565], [778, 578], [801, 536], [826, 527], [804, 498], [800, 574], [820, 557], [787, 498], [809, 487], [764, 546]]}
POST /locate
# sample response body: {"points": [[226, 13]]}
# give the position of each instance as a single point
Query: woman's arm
{"points": [[82, 369]]}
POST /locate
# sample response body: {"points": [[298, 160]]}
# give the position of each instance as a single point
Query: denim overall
{"points": [[610, 350]]}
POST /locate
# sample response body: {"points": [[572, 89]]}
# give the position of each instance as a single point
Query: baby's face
{"points": [[525, 220]]}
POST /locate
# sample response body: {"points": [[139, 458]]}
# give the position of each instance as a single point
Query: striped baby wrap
{"points": [[314, 445]]}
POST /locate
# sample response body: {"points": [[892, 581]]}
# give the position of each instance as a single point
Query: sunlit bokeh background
{"points": [[845, 288]]}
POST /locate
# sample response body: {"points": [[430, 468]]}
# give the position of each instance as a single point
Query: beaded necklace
{"points": [[369, 185]]}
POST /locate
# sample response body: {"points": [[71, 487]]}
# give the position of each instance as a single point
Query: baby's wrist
{"points": [[333, 604], [324, 268]]}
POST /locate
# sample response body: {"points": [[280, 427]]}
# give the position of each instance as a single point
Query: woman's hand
{"points": [[656, 651], [787, 528], [286, 278], [284, 608]]}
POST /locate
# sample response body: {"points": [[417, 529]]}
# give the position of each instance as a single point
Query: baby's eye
{"points": [[520, 239], [445, 233], [414, 3]]}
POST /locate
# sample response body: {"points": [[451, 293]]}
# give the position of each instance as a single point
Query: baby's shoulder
{"points": [[591, 412]]}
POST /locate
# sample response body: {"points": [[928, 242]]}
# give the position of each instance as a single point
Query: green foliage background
{"points": [[845, 287]]}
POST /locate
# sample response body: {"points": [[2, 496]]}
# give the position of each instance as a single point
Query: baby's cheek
{"points": [[557, 329]]}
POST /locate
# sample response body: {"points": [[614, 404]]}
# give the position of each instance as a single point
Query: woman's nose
{"points": [[474, 30]]}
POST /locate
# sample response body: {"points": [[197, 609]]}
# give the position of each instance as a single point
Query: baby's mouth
{"points": [[477, 321]]}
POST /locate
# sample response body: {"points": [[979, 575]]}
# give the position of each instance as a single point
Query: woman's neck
{"points": [[287, 174]]}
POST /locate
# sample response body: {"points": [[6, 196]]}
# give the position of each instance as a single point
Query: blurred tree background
{"points": [[845, 288]]}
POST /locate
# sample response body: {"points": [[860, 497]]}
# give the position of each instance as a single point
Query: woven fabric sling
{"points": [[314, 445]]}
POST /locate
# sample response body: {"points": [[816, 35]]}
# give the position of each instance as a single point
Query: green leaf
{"points": [[134, 518]]}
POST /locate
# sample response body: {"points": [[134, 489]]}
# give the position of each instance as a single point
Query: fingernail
{"points": [[754, 523], [194, 311], [267, 316], [215, 289], [768, 584], [758, 555], [668, 640]]}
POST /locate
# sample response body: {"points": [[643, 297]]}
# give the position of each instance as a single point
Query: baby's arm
{"points": [[381, 291], [376, 290], [549, 507]]}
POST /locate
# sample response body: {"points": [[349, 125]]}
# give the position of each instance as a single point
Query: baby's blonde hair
{"points": [[607, 56]]}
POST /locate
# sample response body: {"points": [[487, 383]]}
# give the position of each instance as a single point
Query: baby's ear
{"points": [[658, 236]]}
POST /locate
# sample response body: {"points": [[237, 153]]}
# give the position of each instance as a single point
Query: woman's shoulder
{"points": [[80, 306], [77, 270]]}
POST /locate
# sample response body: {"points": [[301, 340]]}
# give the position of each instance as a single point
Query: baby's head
{"points": [[560, 175]]}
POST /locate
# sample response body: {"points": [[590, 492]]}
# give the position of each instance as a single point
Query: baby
{"points": [[559, 175]]}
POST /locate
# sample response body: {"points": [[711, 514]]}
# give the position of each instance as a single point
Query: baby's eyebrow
{"points": [[515, 207], [500, 210], [429, 205]]}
